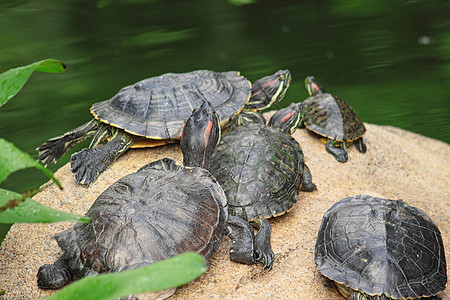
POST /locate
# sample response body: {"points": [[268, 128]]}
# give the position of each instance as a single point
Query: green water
{"points": [[390, 60]]}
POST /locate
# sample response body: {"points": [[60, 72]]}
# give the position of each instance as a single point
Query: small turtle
{"points": [[332, 118], [153, 112], [261, 169], [160, 211], [379, 249]]}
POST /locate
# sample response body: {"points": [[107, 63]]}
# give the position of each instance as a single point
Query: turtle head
{"points": [[248, 117], [269, 90], [312, 86], [287, 119], [201, 134]]}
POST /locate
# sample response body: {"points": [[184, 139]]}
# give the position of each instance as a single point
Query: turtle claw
{"points": [[247, 248], [51, 150], [307, 184], [361, 146], [53, 276], [90, 162], [339, 153], [342, 157], [263, 249], [265, 257], [85, 166]]}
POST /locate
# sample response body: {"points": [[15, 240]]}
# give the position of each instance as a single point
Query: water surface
{"points": [[390, 60]]}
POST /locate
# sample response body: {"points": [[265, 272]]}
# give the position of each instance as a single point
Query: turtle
{"points": [[333, 119], [375, 249], [261, 168], [162, 210], [153, 112]]}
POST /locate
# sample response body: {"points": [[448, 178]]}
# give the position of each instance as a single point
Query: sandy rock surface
{"points": [[398, 165]]}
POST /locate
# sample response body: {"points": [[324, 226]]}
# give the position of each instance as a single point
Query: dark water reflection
{"points": [[390, 60]]}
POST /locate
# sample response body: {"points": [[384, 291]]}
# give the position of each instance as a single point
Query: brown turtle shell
{"points": [[381, 246], [158, 107], [160, 211], [331, 117], [261, 169]]}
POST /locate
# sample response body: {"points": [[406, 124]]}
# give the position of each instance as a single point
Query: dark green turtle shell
{"points": [[158, 107], [160, 211], [380, 246], [331, 117], [260, 169]]}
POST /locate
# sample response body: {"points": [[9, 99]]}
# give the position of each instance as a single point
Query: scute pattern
{"points": [[260, 169], [160, 211], [331, 117], [380, 246], [158, 107]]}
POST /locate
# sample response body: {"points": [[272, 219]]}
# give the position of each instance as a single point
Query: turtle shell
{"points": [[260, 169], [158, 107], [331, 117], [380, 246], [160, 211]]}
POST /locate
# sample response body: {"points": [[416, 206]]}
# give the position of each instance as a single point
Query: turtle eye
{"points": [[282, 77]]}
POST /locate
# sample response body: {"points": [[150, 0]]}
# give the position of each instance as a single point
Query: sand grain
{"points": [[398, 164]]}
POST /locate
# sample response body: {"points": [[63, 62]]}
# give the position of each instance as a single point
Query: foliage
{"points": [[20, 208], [15, 208], [162, 275], [13, 80], [13, 159]]}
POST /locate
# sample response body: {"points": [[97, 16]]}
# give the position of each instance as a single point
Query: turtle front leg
{"points": [[242, 249], [360, 145], [307, 184], [356, 295], [52, 149], [339, 153], [89, 163], [263, 248], [54, 276], [247, 248]]}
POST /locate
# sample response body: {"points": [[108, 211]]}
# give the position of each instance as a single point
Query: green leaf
{"points": [[30, 211], [12, 81], [13, 159], [4, 228], [162, 275], [50, 66]]}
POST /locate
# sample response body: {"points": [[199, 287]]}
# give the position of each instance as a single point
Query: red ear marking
{"points": [[315, 86], [207, 132], [268, 83], [287, 117]]}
